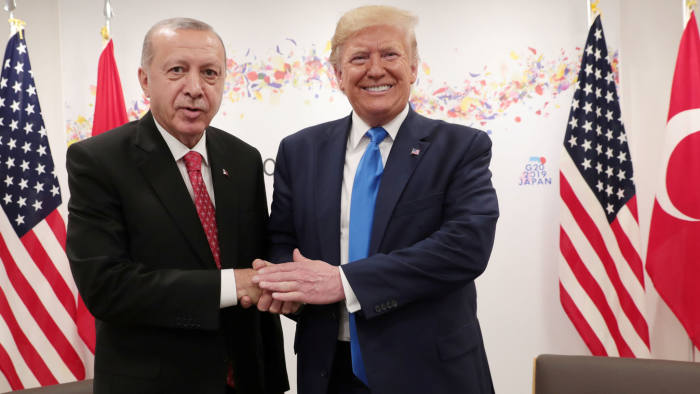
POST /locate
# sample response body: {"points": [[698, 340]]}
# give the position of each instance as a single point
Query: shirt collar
{"points": [[359, 127], [178, 149]]}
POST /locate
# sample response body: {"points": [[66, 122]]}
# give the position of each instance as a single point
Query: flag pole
{"points": [[688, 6], [16, 25], [108, 13], [10, 6], [588, 12]]}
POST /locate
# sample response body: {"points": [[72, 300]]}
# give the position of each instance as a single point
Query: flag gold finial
{"points": [[105, 33], [594, 8], [18, 25], [689, 7]]}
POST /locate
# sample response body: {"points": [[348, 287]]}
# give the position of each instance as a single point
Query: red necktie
{"points": [[207, 215], [205, 209]]}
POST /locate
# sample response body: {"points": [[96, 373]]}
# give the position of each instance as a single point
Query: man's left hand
{"points": [[266, 303], [303, 280]]}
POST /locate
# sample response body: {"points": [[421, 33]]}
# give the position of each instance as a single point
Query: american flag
{"points": [[601, 278], [39, 340]]}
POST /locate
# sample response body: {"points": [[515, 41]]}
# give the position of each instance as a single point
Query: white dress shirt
{"points": [[179, 150], [357, 144]]}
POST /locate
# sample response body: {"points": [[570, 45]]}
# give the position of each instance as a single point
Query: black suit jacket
{"points": [[432, 234], [142, 264]]}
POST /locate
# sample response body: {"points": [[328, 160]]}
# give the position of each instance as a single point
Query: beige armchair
{"points": [[558, 374], [82, 387]]}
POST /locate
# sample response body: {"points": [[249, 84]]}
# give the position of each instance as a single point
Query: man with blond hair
{"points": [[385, 218], [165, 218]]}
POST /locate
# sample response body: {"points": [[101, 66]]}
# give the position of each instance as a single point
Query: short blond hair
{"points": [[372, 15]]}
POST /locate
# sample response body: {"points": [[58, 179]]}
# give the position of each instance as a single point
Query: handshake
{"points": [[283, 288]]}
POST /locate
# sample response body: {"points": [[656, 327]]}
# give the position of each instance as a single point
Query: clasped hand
{"points": [[283, 288]]}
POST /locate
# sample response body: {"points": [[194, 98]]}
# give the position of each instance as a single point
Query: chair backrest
{"points": [[558, 374], [82, 387]]}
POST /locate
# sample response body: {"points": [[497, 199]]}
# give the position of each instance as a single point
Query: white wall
{"points": [[518, 295]]}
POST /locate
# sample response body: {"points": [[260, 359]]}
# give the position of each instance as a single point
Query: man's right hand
{"points": [[247, 292]]}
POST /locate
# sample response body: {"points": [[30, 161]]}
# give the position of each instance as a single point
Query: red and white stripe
{"points": [[600, 270], [39, 338]]}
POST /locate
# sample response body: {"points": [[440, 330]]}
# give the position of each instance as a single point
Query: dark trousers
{"points": [[342, 380]]}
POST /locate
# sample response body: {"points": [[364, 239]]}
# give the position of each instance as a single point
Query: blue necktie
{"points": [[364, 194]]}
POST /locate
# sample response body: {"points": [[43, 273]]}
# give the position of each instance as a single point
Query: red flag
{"points": [[110, 111], [601, 277], [673, 256]]}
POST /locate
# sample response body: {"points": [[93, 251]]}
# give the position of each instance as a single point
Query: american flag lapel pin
{"points": [[415, 151], [225, 172]]}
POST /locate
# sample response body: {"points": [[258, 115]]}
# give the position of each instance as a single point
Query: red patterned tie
{"points": [[205, 209]]}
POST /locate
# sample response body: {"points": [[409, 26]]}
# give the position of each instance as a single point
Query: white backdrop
{"points": [[505, 67]]}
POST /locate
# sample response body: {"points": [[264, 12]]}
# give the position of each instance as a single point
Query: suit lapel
{"points": [[227, 207], [330, 156], [155, 161], [399, 167]]}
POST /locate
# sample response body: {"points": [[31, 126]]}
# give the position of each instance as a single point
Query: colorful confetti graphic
{"points": [[258, 79], [528, 78], [483, 96]]}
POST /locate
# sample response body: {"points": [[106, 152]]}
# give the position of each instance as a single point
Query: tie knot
{"points": [[376, 134], [193, 161]]}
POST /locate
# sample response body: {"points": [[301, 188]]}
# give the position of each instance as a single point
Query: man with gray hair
{"points": [[389, 216], [165, 218]]}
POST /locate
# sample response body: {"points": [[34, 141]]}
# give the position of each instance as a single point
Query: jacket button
{"points": [[324, 373]]}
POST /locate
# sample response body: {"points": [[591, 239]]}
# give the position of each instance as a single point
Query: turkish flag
{"points": [[673, 255], [110, 111]]}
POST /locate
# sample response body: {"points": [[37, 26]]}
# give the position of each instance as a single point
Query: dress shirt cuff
{"points": [[228, 288], [351, 301]]}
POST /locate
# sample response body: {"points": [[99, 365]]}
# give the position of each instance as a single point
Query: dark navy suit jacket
{"points": [[432, 235]]}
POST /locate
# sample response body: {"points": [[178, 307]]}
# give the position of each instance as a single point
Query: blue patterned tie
{"points": [[364, 194]]}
